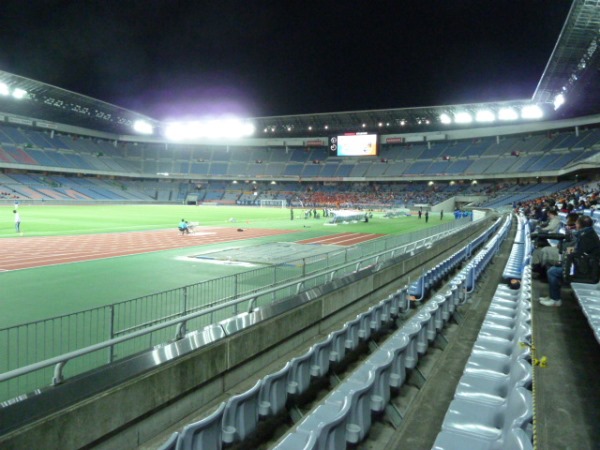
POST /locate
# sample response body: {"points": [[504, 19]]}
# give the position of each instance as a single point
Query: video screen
{"points": [[355, 144]]}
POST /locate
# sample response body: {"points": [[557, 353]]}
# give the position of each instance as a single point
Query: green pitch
{"points": [[34, 294]]}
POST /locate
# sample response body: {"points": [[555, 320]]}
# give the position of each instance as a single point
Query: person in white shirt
{"points": [[17, 221]]}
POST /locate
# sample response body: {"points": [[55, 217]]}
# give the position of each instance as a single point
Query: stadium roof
{"points": [[572, 70]]}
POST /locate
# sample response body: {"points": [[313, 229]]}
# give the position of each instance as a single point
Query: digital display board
{"points": [[354, 144]]}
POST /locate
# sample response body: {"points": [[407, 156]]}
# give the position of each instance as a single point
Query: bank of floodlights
{"points": [[507, 114], [16, 93], [531, 112], [485, 116], [463, 117], [209, 129], [143, 127]]}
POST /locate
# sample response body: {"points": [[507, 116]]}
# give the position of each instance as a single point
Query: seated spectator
{"points": [[586, 243], [543, 258], [183, 227]]}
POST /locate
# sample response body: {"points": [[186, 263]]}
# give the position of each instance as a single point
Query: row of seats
{"points": [[588, 296], [345, 415], [430, 279], [520, 253], [236, 419], [492, 406]]}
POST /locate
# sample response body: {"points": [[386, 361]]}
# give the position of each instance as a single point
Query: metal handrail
{"points": [[60, 361]]}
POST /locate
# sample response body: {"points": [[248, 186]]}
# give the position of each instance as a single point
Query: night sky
{"points": [[172, 59]]}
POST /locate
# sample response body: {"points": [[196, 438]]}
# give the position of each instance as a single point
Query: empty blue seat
{"points": [[412, 329], [241, 415], [205, 434], [273, 392], [358, 391], [299, 373], [398, 345], [320, 357], [338, 345], [495, 387], [328, 423], [352, 333], [487, 422]]}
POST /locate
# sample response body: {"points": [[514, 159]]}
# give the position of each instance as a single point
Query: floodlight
{"points": [[474, 182], [445, 119], [19, 93], [142, 127], [531, 112], [507, 114], [485, 115], [559, 100], [4, 89], [327, 127], [463, 117], [430, 183], [175, 131]]}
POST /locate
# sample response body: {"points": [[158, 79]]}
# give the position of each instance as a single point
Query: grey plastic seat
{"points": [[488, 421], [299, 373], [381, 364], [513, 439], [352, 333], [412, 329], [359, 392], [298, 440], [364, 330], [241, 415], [386, 310], [204, 434], [328, 423], [424, 319], [320, 359], [398, 345], [273, 392], [171, 443], [376, 321], [436, 306], [494, 387], [485, 363], [338, 345], [399, 302]]}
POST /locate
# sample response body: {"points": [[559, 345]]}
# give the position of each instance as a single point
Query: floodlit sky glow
{"points": [[177, 61]]}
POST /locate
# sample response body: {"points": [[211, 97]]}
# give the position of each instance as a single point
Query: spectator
{"points": [[586, 243]]}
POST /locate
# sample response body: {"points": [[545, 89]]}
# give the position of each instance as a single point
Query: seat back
{"points": [[241, 415], [204, 434]]}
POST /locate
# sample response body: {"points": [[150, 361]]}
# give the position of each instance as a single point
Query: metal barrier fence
{"points": [[42, 340]]}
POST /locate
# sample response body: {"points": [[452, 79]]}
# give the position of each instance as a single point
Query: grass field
{"points": [[34, 294]]}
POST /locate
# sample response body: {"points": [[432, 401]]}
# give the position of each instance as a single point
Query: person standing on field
{"points": [[17, 221]]}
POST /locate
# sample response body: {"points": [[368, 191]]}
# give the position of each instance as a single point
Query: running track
{"points": [[28, 252]]}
